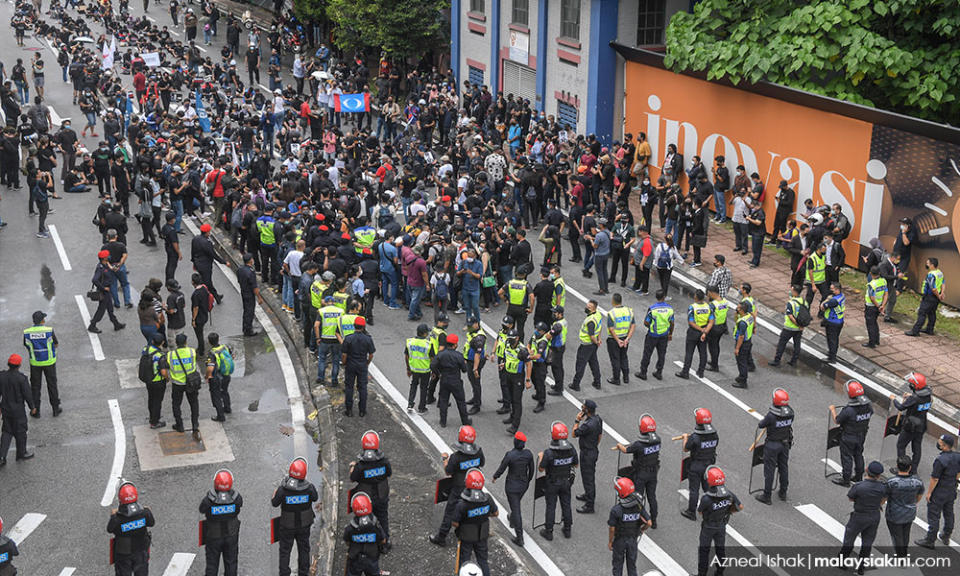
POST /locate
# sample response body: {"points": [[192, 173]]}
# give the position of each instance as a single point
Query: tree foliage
{"points": [[399, 27], [900, 55]]}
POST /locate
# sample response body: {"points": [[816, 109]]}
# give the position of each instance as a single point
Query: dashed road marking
{"points": [[180, 564], [119, 453], [60, 249], [25, 527], [94, 338]]}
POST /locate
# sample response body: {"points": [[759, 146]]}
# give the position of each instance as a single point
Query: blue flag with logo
{"points": [[202, 117], [352, 102]]}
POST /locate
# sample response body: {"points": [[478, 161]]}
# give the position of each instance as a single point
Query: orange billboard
{"points": [[878, 174]]}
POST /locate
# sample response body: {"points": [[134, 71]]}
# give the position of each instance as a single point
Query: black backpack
{"points": [[145, 367], [803, 316]]}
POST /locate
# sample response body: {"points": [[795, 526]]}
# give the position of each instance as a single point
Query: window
{"points": [[475, 76], [521, 12], [479, 6], [570, 19], [650, 22], [566, 115]]}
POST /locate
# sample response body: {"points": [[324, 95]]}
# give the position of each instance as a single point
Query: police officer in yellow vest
{"points": [[792, 330], [558, 345], [832, 310], [157, 386], [559, 288], [340, 295], [41, 343], [474, 352], [621, 324], [539, 348], [506, 325], [416, 354], [817, 274], [932, 295], [320, 287], [363, 236], [346, 325], [517, 368], [589, 343], [659, 323], [875, 301], [269, 231], [519, 297], [438, 341], [743, 338], [181, 367], [720, 306], [326, 329], [700, 319]]}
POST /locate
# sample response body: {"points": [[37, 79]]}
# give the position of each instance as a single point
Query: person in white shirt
{"points": [[663, 257], [291, 278], [334, 174]]}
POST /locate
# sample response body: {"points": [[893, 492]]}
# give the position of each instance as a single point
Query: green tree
{"points": [[900, 55], [399, 27]]}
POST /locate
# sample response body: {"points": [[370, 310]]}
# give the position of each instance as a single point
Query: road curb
{"points": [[318, 426]]}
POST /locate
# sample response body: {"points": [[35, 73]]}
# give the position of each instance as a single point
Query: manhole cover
{"points": [[175, 443]]}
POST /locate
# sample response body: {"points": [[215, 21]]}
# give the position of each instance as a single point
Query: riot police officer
{"points": [[370, 471], [621, 323], [627, 522], [558, 462], [588, 428], [221, 535], [471, 520], [365, 538], [558, 345], [467, 456], [700, 319], [589, 342], [517, 371], [506, 325], [868, 498], [129, 524], [539, 350], [474, 348], [716, 506], [942, 492], [8, 549], [295, 497], [518, 463], [702, 446], [645, 463], [659, 323], [778, 424], [854, 420], [448, 365], [915, 406]]}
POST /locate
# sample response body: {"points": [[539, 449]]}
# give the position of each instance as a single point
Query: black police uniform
{"points": [[916, 406], [868, 497], [8, 549], [295, 499], [646, 466], [589, 432], [627, 517], [520, 468], [854, 419], [557, 348], [221, 536], [156, 389], [14, 393], [538, 371], [458, 464], [476, 346], [776, 449], [472, 514], [716, 505], [371, 473], [219, 387], [365, 540], [356, 347], [449, 364], [131, 546], [558, 463], [702, 446], [945, 469]]}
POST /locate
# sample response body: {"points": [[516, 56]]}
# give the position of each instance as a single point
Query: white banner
{"points": [[151, 59], [520, 47], [108, 53]]}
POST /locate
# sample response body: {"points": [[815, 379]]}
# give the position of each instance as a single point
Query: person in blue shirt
{"points": [[471, 271], [832, 310], [388, 271]]}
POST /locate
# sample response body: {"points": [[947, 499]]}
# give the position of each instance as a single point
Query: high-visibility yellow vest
{"points": [[316, 292], [622, 317], [793, 307], [155, 356], [346, 324], [340, 301], [701, 313], [512, 362], [182, 361], [365, 238], [875, 290], [501, 344], [560, 340], [819, 268], [329, 317], [418, 351], [517, 292], [559, 299], [468, 351], [661, 315], [435, 335], [719, 312], [39, 341], [748, 318], [937, 277], [585, 334], [534, 346], [265, 224]]}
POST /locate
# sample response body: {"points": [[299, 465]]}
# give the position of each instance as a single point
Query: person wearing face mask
{"points": [[622, 238], [932, 296], [721, 183], [834, 257], [544, 294], [471, 271], [648, 200]]}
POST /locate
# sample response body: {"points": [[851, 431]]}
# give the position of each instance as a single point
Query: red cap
{"points": [[320, 217], [324, 228], [367, 251], [103, 254], [14, 360], [359, 321], [205, 228], [345, 235], [452, 339], [520, 436], [445, 199]]}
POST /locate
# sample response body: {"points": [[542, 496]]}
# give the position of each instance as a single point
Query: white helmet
{"points": [[470, 569]]}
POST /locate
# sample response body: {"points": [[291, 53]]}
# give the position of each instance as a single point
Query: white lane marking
{"points": [[119, 453], [265, 88], [294, 398], [180, 564], [663, 561], [825, 521], [740, 539], [94, 338], [25, 527], [67, 571], [725, 393], [434, 438], [584, 299], [174, 32], [60, 249], [832, 463], [202, 49], [151, 18]]}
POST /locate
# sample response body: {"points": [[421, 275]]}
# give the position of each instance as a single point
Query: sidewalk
{"points": [[935, 356]]}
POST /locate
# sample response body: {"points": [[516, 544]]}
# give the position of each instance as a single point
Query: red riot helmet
{"points": [[780, 397], [467, 435], [647, 424], [703, 416], [223, 481], [916, 380], [361, 505], [558, 431], [715, 476], [474, 479], [854, 389], [298, 469], [370, 440], [624, 487], [127, 494]]}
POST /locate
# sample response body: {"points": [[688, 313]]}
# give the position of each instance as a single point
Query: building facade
{"points": [[556, 53]]}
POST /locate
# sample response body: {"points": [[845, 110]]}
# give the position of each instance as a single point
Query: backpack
{"points": [[663, 261], [803, 316], [225, 364], [145, 371], [210, 299], [441, 287]]}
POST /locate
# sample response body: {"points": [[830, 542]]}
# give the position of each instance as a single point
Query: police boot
{"points": [[739, 382], [689, 514], [845, 482], [505, 409], [538, 408], [585, 509], [518, 538], [566, 532], [437, 540], [554, 391], [683, 374], [640, 375], [546, 534], [944, 537], [658, 375], [925, 543], [764, 498]]}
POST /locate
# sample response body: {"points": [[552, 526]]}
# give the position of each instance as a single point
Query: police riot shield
{"points": [[442, 491], [892, 427], [623, 471], [201, 531], [539, 490], [756, 459]]}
